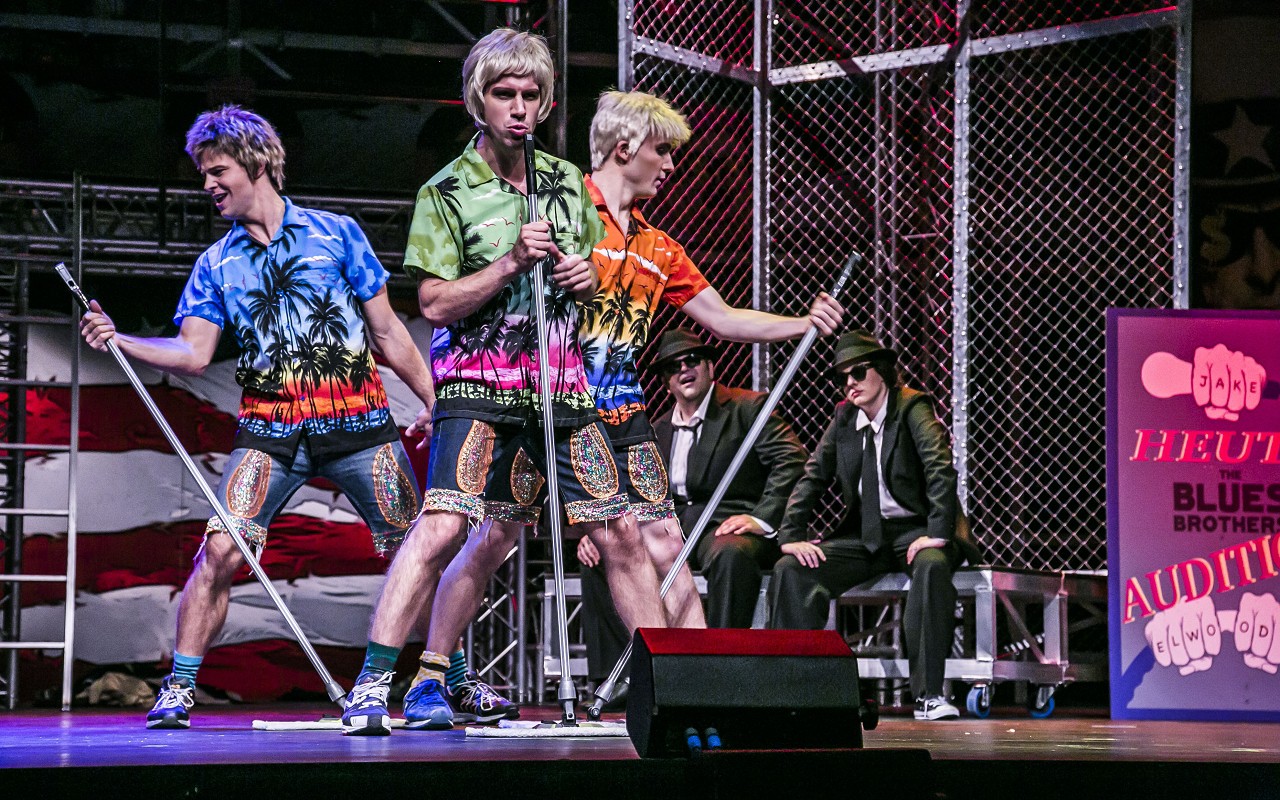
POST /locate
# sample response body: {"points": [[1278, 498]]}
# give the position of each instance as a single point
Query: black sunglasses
{"points": [[858, 372], [677, 364]]}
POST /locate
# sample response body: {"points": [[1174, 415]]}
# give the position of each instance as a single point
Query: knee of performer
{"points": [[219, 558], [620, 545], [787, 564], [931, 563], [433, 541]]}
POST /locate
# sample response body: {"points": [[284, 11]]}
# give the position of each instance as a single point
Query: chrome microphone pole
{"points": [[567, 693]]}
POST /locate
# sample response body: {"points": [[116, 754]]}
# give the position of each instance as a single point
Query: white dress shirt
{"points": [[685, 433], [889, 508]]}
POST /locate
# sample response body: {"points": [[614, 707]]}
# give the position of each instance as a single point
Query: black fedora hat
{"points": [[860, 345], [677, 342]]}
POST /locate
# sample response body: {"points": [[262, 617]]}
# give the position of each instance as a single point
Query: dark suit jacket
{"points": [[916, 462], [764, 481]]}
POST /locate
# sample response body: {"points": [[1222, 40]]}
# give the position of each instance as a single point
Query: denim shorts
{"points": [[377, 480], [482, 469]]}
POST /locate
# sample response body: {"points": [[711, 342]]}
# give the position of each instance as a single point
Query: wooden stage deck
{"points": [[109, 753]]}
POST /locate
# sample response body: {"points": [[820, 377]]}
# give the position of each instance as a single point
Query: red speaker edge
{"points": [[743, 641]]}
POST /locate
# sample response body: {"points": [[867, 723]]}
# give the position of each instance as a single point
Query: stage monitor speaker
{"points": [[759, 689]]}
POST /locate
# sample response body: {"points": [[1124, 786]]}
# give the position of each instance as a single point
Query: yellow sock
{"points": [[431, 668]]}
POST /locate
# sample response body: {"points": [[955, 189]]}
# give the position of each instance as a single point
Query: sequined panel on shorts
{"points": [[474, 457], [394, 489], [388, 544], [250, 531], [596, 510], [455, 502], [649, 512], [648, 474], [510, 512], [526, 480], [247, 489], [593, 464]]}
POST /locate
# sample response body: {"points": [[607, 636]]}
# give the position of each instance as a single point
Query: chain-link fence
{"points": [[1007, 169]]}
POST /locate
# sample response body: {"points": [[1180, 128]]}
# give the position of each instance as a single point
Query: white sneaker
{"points": [[936, 707]]}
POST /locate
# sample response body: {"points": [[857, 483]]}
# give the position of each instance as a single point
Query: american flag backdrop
{"points": [[141, 519]]}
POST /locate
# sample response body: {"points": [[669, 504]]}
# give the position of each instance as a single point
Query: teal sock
{"points": [[185, 667], [457, 672], [380, 657]]}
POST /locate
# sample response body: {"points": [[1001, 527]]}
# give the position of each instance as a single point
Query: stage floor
{"points": [[1003, 756]]}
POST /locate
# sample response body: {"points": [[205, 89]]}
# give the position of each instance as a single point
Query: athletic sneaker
{"points": [[366, 709], [170, 710], [426, 709], [473, 700], [935, 707]]}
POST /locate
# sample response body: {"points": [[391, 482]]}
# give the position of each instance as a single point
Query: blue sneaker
{"points": [[426, 709], [170, 710], [366, 708], [473, 700]]}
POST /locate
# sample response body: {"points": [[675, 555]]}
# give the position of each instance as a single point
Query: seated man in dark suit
{"points": [[890, 458], [700, 436]]}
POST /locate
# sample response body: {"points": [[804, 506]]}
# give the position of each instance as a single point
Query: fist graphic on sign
{"points": [[1187, 636], [1222, 381], [1255, 631]]}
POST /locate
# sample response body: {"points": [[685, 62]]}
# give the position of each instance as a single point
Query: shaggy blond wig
{"points": [[504, 51], [633, 117]]}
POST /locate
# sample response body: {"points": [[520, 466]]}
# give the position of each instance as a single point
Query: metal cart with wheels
{"points": [[1013, 625]]}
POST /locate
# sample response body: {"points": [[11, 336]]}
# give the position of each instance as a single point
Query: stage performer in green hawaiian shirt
{"points": [[472, 250]]}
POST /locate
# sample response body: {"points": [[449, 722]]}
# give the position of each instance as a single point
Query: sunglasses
{"points": [[674, 366], [858, 372]]}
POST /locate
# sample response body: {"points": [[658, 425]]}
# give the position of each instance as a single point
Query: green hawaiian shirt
{"points": [[485, 364]]}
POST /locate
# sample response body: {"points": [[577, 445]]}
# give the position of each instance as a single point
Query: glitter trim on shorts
{"points": [[592, 458], [510, 512], [453, 501], [596, 510], [250, 531], [393, 489], [474, 457], [648, 474], [526, 479], [247, 489], [651, 512], [387, 544]]}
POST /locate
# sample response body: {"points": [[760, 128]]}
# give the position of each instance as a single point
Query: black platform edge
{"points": [[900, 774]]}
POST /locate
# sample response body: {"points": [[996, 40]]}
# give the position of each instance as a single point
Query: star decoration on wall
{"points": [[1244, 140]]}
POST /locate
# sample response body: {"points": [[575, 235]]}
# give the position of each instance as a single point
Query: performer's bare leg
{"points": [[682, 604], [465, 580], [202, 611], [428, 548], [629, 570]]}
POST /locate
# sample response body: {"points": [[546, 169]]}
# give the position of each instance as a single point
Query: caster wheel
{"points": [[1041, 704], [1040, 712], [979, 701]]}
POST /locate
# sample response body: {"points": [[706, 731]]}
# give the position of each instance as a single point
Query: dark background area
{"points": [[366, 95]]}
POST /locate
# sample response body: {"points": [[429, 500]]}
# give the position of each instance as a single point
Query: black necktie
{"points": [[693, 428], [871, 533]]}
